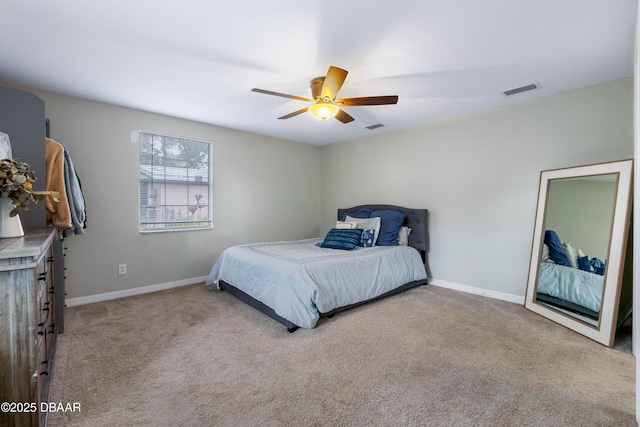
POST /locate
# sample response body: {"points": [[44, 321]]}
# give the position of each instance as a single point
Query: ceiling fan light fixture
{"points": [[324, 110]]}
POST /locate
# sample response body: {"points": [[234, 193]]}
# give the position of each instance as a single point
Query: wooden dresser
{"points": [[27, 326]]}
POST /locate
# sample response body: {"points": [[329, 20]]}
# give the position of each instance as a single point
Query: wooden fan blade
{"points": [[344, 117], [368, 100], [284, 95], [295, 113], [333, 82]]}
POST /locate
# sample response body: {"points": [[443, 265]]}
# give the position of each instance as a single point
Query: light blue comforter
{"points": [[571, 284], [300, 280]]}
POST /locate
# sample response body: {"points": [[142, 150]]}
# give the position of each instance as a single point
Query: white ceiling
{"points": [[199, 59]]}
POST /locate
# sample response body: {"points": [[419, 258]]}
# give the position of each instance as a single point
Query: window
{"points": [[175, 183]]}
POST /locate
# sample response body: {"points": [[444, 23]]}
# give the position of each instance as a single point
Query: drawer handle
{"points": [[50, 259], [43, 276], [41, 326]]}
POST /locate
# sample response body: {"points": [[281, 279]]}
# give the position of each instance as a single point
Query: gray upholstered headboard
{"points": [[416, 219]]}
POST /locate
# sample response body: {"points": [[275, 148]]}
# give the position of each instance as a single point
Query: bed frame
{"points": [[567, 305], [416, 219]]}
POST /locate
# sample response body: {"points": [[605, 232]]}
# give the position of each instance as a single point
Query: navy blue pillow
{"points": [[556, 251], [584, 264], [598, 265], [362, 213], [390, 224], [342, 238]]}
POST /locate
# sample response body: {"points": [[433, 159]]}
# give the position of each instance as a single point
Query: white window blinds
{"points": [[175, 183]]}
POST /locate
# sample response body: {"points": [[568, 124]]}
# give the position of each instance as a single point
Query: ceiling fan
{"points": [[324, 103]]}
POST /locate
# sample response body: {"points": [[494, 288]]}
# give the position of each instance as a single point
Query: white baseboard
{"points": [[71, 302], [478, 291]]}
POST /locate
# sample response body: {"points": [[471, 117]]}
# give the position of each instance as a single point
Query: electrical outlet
{"points": [[122, 269]]}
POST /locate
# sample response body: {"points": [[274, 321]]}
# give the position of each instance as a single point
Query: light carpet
{"points": [[196, 356]]}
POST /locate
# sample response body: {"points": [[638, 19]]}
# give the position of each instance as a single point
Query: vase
{"points": [[10, 226]]}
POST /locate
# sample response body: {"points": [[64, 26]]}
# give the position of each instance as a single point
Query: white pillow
{"points": [[403, 236], [367, 224], [572, 253], [345, 224], [544, 257]]}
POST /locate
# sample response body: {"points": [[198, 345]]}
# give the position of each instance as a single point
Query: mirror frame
{"points": [[604, 333]]}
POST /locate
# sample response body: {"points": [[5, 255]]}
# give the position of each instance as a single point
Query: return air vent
{"points": [[376, 126], [521, 89]]}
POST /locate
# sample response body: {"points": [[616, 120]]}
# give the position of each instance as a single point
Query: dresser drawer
{"points": [[42, 360], [44, 288], [42, 303]]}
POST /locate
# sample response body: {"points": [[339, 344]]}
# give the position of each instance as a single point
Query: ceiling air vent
{"points": [[521, 89], [372, 127]]}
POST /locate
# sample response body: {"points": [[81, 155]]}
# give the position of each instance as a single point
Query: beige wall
{"points": [[478, 175], [263, 189]]}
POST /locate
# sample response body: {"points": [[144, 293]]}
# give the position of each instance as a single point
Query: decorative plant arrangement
{"points": [[16, 183]]}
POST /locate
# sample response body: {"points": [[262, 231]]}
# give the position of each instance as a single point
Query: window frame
{"points": [[208, 222]]}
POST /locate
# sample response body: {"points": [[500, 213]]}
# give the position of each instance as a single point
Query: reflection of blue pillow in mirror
{"points": [[556, 250], [598, 266], [584, 264]]}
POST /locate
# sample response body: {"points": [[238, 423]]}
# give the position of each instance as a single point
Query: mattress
{"points": [[300, 280]]}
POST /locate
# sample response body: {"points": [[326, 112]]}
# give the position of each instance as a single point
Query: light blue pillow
{"points": [[342, 238], [390, 224]]}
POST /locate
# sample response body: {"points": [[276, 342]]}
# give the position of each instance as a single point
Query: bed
{"points": [[298, 282]]}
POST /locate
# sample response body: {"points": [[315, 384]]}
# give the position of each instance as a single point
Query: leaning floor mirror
{"points": [[579, 245]]}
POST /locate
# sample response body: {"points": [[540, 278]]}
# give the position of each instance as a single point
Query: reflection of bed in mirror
{"points": [[569, 279], [571, 289]]}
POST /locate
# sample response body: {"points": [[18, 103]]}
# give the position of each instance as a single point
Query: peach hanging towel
{"points": [[58, 213]]}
